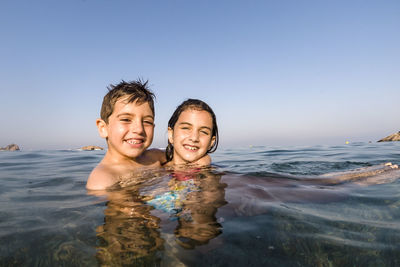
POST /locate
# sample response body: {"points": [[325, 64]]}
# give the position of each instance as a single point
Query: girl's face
{"points": [[191, 136]]}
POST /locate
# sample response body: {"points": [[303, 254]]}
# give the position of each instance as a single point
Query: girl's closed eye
{"points": [[125, 119]]}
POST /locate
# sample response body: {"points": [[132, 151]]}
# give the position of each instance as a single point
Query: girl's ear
{"points": [[102, 128], [212, 142], [170, 135]]}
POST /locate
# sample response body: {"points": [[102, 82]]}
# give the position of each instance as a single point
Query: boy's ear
{"points": [[102, 128], [170, 135]]}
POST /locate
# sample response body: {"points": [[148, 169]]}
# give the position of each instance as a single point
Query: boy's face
{"points": [[129, 129]]}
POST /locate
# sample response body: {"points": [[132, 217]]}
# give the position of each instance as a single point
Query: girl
{"points": [[192, 134], [194, 194]]}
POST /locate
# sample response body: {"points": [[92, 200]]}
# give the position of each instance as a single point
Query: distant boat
{"points": [[392, 137]]}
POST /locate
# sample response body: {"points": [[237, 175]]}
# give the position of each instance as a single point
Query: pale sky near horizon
{"points": [[275, 72]]}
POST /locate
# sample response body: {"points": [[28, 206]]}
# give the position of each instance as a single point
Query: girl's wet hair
{"points": [[196, 105]]}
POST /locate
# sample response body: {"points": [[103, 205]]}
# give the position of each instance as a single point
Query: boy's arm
{"points": [[100, 178], [157, 155]]}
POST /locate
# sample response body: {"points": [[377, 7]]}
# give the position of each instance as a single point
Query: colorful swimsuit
{"points": [[172, 201]]}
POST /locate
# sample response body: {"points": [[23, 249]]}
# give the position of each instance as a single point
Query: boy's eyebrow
{"points": [[132, 115], [124, 114], [149, 116]]}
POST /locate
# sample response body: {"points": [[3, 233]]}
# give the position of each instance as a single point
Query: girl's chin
{"points": [[188, 160]]}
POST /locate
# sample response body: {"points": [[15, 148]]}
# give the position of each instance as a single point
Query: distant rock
{"points": [[12, 147], [392, 137], [92, 148]]}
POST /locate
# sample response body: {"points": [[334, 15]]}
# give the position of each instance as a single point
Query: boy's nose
{"points": [[137, 127]]}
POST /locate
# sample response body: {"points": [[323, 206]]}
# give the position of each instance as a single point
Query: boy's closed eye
{"points": [[148, 122]]}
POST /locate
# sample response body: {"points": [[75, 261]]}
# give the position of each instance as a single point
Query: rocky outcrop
{"points": [[12, 147], [92, 148], [392, 137]]}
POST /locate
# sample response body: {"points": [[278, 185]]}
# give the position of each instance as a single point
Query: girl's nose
{"points": [[194, 136]]}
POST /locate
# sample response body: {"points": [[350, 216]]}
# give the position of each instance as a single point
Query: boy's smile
{"points": [[129, 130], [191, 136]]}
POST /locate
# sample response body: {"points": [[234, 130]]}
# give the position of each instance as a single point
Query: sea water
{"points": [[259, 206]]}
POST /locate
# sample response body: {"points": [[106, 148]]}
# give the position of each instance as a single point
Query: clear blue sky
{"points": [[275, 72]]}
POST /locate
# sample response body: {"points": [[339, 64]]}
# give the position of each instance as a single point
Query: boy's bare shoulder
{"points": [[101, 177]]}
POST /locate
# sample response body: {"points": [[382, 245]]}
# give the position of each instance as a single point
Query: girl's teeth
{"points": [[191, 148], [134, 142]]}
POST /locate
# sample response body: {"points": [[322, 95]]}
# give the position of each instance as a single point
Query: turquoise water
{"points": [[259, 206]]}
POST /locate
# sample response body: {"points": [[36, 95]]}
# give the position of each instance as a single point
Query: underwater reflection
{"points": [[130, 234], [140, 212], [203, 195]]}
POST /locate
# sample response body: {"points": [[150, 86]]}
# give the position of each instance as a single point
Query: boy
{"points": [[127, 124]]}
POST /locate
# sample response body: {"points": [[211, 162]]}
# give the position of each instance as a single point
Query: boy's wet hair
{"points": [[196, 105], [133, 91]]}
